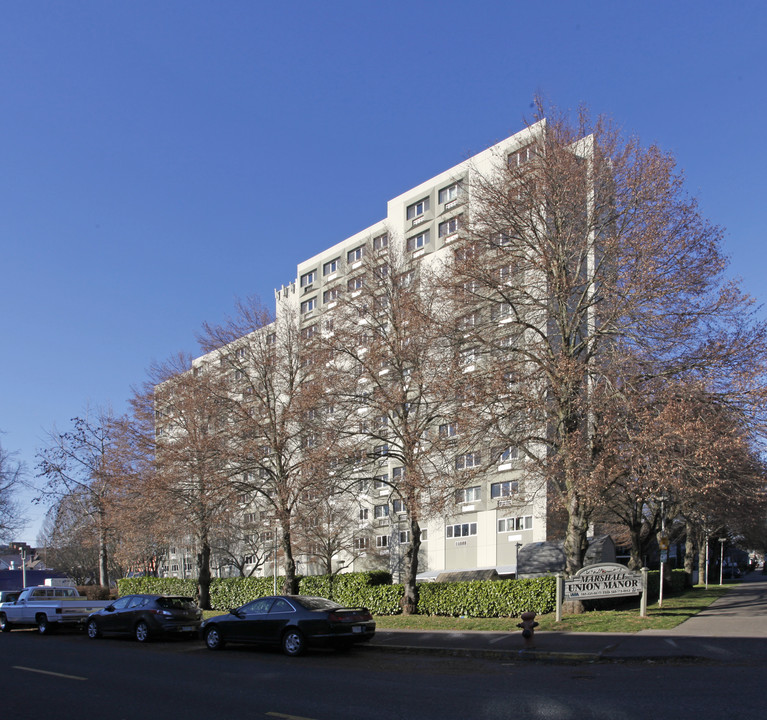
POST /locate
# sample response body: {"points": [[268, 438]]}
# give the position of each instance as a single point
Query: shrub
{"points": [[487, 598], [158, 586], [95, 592], [373, 590]]}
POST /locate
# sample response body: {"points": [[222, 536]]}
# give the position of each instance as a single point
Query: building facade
{"points": [[502, 508]]}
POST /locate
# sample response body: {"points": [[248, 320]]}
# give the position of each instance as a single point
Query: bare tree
{"points": [[280, 444], [182, 425], [11, 472], [327, 530], [86, 465], [606, 276], [70, 542], [404, 398]]}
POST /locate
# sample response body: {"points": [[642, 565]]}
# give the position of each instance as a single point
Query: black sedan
{"points": [[292, 622], [146, 616]]}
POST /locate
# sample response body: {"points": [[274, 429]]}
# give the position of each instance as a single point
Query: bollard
{"points": [[528, 626]]}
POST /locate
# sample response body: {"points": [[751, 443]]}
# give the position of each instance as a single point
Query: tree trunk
{"points": [[203, 573], [103, 559], [635, 536], [290, 585], [409, 601], [689, 552], [576, 543]]}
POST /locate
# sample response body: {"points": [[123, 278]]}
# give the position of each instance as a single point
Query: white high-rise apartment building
{"points": [[494, 517]]}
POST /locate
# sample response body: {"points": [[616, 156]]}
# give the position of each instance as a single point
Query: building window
{"points": [[380, 482], [506, 272], [404, 537], [448, 430], [330, 295], [309, 332], [330, 267], [468, 495], [381, 511], [521, 156], [461, 530], [504, 489], [355, 283], [381, 242], [382, 541], [468, 460], [449, 227], [501, 311], [398, 506], [362, 543], [356, 254], [397, 474], [308, 305], [508, 453], [468, 321], [515, 523], [449, 193], [271, 338], [308, 278], [418, 241], [380, 450], [417, 209], [363, 513], [468, 357]]}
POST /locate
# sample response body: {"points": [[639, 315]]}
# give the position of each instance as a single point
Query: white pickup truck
{"points": [[47, 607]]}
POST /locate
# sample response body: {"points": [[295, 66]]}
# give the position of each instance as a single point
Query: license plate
{"points": [[186, 628], [357, 628]]}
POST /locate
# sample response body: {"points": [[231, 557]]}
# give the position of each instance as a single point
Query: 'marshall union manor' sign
{"points": [[605, 580]]}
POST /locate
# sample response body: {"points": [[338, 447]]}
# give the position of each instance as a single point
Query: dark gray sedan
{"points": [[146, 616], [292, 622]]}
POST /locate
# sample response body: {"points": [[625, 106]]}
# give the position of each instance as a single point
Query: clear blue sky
{"points": [[160, 159]]}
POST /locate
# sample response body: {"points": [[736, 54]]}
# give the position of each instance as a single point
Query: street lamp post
{"points": [[722, 541]]}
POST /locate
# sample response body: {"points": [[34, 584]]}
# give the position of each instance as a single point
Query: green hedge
{"points": [[486, 598]]}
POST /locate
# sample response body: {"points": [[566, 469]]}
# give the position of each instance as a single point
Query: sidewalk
{"points": [[733, 629]]}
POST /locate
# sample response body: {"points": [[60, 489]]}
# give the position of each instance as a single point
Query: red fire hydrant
{"points": [[528, 626]]}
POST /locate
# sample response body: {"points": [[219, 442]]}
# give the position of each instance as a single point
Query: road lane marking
{"points": [[287, 717], [48, 672]]}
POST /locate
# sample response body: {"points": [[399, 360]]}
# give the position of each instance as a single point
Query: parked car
{"points": [[9, 595], [146, 616], [293, 622], [51, 606]]}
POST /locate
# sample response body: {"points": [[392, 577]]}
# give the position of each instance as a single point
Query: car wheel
{"points": [[43, 626], [293, 643], [141, 631], [93, 630], [5, 626], [213, 638]]}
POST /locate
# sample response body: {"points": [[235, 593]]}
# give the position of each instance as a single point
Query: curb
{"points": [[541, 656]]}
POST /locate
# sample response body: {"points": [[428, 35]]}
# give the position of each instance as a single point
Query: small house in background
{"points": [[548, 558]]}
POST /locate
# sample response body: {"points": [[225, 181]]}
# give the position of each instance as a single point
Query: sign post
{"points": [[663, 545]]}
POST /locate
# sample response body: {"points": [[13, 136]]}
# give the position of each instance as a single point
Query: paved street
{"points": [[693, 672]]}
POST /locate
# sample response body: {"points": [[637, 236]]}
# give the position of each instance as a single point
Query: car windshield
{"points": [[317, 603], [177, 603]]}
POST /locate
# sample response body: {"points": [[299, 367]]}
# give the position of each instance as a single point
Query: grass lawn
{"points": [[676, 609]]}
